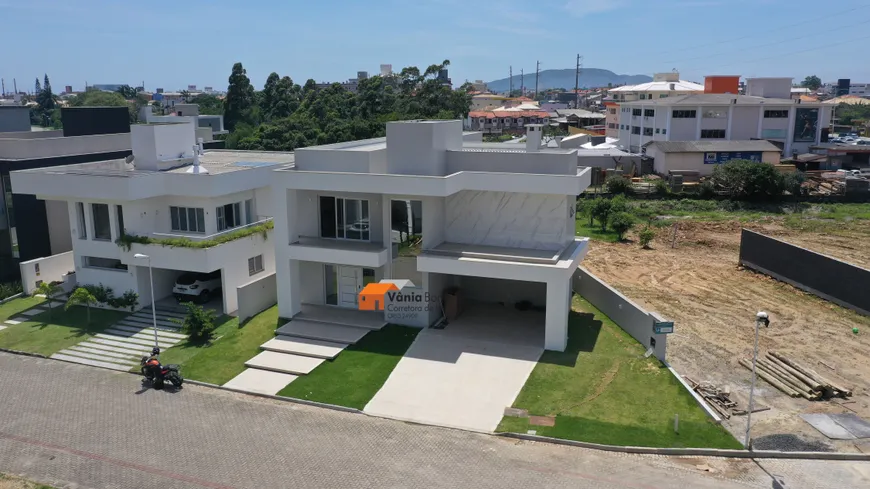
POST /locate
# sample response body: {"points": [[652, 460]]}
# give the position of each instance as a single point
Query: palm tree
{"points": [[81, 296], [48, 290]]}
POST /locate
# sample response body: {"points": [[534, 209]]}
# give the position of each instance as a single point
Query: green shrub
{"points": [[600, 210], [744, 179], [791, 182], [618, 204], [10, 289], [616, 184], [646, 236], [661, 188], [621, 222], [706, 191], [126, 241], [198, 323]]}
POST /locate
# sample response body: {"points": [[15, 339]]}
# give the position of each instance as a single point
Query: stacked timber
{"points": [[795, 379]]}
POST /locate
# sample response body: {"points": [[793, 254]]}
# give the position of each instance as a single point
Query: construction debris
{"points": [[718, 399], [794, 379]]}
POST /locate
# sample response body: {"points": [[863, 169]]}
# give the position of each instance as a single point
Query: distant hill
{"points": [[589, 78]]}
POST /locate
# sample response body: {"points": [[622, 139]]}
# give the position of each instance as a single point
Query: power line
{"points": [[789, 26], [826, 46]]}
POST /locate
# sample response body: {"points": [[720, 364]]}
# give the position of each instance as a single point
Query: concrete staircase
{"points": [[122, 346], [315, 335]]}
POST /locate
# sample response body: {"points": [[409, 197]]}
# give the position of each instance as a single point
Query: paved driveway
{"points": [[466, 374]]}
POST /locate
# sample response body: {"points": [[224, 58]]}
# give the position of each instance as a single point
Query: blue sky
{"points": [[171, 44]]}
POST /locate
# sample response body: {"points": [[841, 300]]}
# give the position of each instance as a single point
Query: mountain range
{"points": [[589, 78]]}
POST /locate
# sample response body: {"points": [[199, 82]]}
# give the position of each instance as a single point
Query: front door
{"points": [[350, 283]]}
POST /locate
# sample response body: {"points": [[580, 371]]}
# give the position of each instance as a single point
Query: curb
{"points": [[323, 405], [22, 353], [11, 297], [702, 452]]}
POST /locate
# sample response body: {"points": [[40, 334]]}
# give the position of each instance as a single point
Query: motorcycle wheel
{"points": [[157, 384], [175, 379]]}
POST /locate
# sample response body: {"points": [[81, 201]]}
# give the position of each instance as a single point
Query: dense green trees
{"points": [[290, 116], [812, 82], [208, 104]]}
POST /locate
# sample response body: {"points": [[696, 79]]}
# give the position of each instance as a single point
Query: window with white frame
{"points": [[106, 263], [83, 226], [255, 265], [344, 218], [229, 216], [249, 211], [190, 219], [102, 226]]}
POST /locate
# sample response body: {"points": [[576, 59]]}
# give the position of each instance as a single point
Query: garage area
{"points": [[466, 374], [206, 289]]}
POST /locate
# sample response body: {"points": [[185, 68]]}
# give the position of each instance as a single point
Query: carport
{"points": [[164, 281]]}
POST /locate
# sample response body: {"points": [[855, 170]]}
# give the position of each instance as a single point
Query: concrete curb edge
{"points": [[11, 297], [702, 452], [23, 353], [333, 407]]}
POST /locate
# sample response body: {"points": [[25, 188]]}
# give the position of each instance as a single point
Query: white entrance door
{"points": [[350, 281]]}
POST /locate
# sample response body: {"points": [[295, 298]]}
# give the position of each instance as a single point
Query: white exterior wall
{"points": [[47, 269], [665, 162], [744, 123], [59, 234]]}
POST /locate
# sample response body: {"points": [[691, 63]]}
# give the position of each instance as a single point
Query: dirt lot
{"points": [[713, 302]]}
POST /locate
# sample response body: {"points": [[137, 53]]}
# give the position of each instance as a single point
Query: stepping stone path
{"points": [[122, 346], [315, 335]]}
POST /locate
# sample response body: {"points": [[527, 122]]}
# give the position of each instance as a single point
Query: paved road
{"points": [[82, 427]]}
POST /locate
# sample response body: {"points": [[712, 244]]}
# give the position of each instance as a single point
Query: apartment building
{"points": [[185, 209], [765, 112], [506, 119], [433, 214], [31, 228], [611, 119]]}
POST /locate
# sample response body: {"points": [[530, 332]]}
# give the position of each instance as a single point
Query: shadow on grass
{"points": [[583, 331]]}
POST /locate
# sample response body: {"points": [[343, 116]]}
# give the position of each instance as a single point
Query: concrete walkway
{"points": [[463, 376], [121, 346]]}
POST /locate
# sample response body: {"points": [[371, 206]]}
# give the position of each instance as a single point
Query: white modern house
{"points": [[495, 225], [185, 209]]}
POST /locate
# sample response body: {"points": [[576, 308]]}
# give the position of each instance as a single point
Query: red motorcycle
{"points": [[158, 374]]}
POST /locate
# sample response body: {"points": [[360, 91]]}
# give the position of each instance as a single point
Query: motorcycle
{"points": [[164, 373]]}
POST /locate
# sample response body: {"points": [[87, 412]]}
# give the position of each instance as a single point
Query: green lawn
{"points": [[15, 306], [357, 373], [602, 390], [583, 229], [224, 358], [50, 332]]}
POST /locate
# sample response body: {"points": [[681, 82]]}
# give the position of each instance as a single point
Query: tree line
{"points": [[284, 116]]}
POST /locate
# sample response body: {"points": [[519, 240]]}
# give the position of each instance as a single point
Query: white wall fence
{"points": [[48, 269], [632, 318], [257, 296]]}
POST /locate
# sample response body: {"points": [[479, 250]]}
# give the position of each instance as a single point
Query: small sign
{"points": [[666, 327]]}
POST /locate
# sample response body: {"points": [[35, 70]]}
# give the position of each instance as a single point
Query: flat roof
{"points": [[227, 161], [701, 99]]}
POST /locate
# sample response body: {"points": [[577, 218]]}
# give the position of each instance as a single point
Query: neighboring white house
{"points": [[170, 191], [496, 222], [663, 85]]}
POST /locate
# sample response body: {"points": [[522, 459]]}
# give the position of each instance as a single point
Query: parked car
{"points": [[849, 173], [197, 287]]}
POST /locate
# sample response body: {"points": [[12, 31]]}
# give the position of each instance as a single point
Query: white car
{"points": [[196, 287]]}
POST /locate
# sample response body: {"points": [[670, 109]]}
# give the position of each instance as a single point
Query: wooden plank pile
{"points": [[794, 379], [718, 399]]}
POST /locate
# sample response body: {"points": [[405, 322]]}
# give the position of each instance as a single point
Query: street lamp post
{"points": [[760, 318], [154, 308]]}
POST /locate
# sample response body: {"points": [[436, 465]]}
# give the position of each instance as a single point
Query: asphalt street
{"points": [[81, 427]]}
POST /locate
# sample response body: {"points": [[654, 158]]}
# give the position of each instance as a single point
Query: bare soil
{"points": [[713, 302]]}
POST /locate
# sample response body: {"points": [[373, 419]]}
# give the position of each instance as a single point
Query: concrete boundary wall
{"points": [[256, 296], [829, 278], [632, 318], [47, 269]]}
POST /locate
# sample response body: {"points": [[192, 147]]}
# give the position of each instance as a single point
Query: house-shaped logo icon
{"points": [[373, 296]]}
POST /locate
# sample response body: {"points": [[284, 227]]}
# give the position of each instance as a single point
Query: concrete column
{"points": [[289, 282], [819, 125], [730, 117], [789, 134], [387, 233], [699, 115], [113, 222], [760, 120], [558, 306], [642, 118], [668, 124]]}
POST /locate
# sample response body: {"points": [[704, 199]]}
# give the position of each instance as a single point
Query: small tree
{"points": [[661, 188], [48, 290], [198, 323], [746, 179], [646, 236], [584, 208], [600, 210], [621, 222], [81, 296], [616, 184]]}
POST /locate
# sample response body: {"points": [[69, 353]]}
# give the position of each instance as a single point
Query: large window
{"points": [[776, 114], [715, 113], [108, 263], [255, 265], [344, 218], [712, 133], [636, 112], [647, 131], [635, 129], [649, 112], [684, 114], [191, 219], [102, 227], [83, 226], [229, 216]]}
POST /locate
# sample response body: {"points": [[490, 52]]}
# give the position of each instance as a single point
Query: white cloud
{"points": [[582, 8]]}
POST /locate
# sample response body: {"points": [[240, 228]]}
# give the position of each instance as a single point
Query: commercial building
{"points": [[765, 112], [703, 156], [494, 226], [186, 209], [32, 228]]}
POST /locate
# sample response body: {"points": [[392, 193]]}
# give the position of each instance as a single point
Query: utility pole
{"points": [[3, 82], [522, 83], [15, 86], [577, 84], [511, 90], [537, 73]]}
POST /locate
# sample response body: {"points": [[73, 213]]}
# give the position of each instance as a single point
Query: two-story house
{"points": [[495, 224], [170, 206]]}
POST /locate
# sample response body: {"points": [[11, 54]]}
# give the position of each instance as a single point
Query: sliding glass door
{"points": [[344, 218]]}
